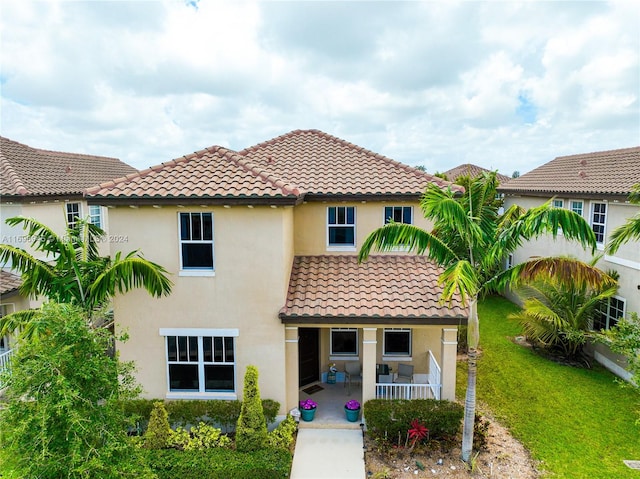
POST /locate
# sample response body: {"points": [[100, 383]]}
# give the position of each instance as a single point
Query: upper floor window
{"points": [[397, 342], [577, 206], [558, 203], [398, 214], [611, 311], [95, 215], [598, 220], [344, 342], [196, 241], [73, 214], [341, 224]]}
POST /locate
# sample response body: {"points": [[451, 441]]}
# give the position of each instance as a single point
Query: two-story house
{"points": [[48, 186], [262, 247], [596, 186]]}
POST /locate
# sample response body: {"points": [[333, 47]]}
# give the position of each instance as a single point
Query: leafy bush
{"points": [[159, 434], [200, 437], [282, 436], [219, 463], [388, 420], [251, 433]]}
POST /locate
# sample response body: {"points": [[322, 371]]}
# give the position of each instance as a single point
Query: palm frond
{"points": [[629, 231], [460, 277], [411, 237], [41, 237], [25, 323]]}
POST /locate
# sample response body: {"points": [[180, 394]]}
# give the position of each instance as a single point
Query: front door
{"points": [[308, 355]]}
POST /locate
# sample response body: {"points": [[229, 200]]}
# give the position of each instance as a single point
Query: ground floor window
{"points": [[397, 342], [344, 342], [610, 312], [201, 361]]}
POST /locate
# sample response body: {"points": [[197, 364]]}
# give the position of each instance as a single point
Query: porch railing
{"points": [[429, 390], [5, 360]]}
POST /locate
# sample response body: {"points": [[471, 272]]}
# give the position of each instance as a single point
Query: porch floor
{"points": [[331, 401]]}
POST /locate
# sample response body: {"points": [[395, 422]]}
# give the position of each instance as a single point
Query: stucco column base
{"points": [[291, 368], [369, 346], [448, 353]]}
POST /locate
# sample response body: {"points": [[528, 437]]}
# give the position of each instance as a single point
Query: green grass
{"points": [[578, 423]]}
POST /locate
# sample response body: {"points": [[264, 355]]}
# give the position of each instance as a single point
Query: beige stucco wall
{"points": [[310, 221], [253, 255]]}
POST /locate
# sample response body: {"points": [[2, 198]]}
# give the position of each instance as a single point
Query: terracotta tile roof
{"points": [[335, 288], [471, 170], [213, 173], [9, 282], [324, 165], [27, 171], [611, 172]]}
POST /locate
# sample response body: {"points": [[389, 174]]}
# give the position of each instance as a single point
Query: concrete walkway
{"points": [[328, 454]]}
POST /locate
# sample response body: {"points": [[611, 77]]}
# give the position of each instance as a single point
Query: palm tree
{"points": [[74, 272], [558, 314], [631, 229], [471, 241]]}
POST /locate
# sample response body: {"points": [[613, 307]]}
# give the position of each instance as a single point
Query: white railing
{"points": [[5, 359], [435, 376], [429, 390]]}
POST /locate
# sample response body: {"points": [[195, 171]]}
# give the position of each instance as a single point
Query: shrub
{"points": [[282, 436], [204, 436], [219, 463], [159, 433], [251, 433], [389, 420]]}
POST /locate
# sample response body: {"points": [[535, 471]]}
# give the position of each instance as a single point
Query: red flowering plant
{"points": [[352, 405], [417, 432], [308, 404]]}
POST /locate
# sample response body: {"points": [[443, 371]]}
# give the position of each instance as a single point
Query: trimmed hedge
{"points": [[387, 419], [222, 414], [220, 464]]}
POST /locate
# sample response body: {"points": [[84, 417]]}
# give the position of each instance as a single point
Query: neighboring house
{"points": [[262, 246], [596, 186], [472, 171], [48, 186]]}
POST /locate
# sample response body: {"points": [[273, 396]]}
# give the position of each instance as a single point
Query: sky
{"points": [[504, 85]]}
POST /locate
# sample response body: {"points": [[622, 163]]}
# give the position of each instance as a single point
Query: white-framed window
{"points": [[599, 221], [558, 203], [396, 342], [577, 206], [399, 214], [95, 216], [200, 361], [611, 311], [344, 342], [341, 227], [74, 213], [196, 241]]}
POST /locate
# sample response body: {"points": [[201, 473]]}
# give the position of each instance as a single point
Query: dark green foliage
{"points": [[159, 433], [220, 463], [251, 433], [282, 436], [61, 417], [222, 414], [389, 419], [480, 432]]}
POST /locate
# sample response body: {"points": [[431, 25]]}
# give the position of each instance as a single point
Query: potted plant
{"points": [[352, 410], [308, 409]]}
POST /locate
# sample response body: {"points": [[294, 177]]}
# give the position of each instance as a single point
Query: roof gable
{"points": [[324, 165], [27, 171], [611, 172], [214, 173]]}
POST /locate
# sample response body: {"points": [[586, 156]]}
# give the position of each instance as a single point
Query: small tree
{"points": [[159, 433], [62, 416], [251, 433]]}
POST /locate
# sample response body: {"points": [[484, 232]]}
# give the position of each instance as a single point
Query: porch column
{"points": [[449, 352], [291, 366], [369, 347]]}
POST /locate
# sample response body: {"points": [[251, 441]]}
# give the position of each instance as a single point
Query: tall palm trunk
{"points": [[473, 338]]}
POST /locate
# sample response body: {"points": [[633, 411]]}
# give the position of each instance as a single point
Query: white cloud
{"points": [[506, 85]]}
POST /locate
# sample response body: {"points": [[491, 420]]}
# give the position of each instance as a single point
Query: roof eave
{"points": [[190, 200], [377, 320]]}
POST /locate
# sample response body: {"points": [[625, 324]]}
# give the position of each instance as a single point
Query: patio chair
{"points": [[405, 374], [352, 372]]}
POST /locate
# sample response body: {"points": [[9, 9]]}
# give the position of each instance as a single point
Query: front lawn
{"points": [[576, 422]]}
